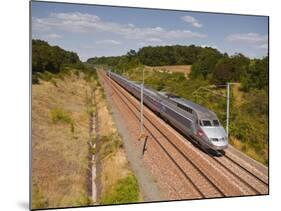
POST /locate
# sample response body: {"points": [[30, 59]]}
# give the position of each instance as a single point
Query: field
{"points": [[185, 69]]}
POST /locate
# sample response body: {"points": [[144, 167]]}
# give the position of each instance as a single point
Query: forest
{"points": [[205, 85], [51, 58]]}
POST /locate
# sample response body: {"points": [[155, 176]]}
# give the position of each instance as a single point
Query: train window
{"points": [[216, 122], [189, 110], [207, 123]]}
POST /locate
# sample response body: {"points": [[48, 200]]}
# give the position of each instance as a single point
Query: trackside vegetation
{"points": [[63, 92], [125, 191], [205, 85]]}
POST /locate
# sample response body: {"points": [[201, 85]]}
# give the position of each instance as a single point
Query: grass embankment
{"points": [[61, 109], [118, 183], [249, 110], [60, 135]]}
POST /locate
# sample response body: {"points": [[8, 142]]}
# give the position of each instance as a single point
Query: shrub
{"points": [[59, 115], [35, 79], [109, 145], [46, 75], [125, 191]]}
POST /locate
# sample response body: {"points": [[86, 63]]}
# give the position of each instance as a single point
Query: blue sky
{"points": [[92, 30]]}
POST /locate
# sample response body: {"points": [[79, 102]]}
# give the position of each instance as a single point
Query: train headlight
{"points": [[200, 133]]}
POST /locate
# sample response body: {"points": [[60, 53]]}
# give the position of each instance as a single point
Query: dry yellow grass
{"points": [[60, 151], [238, 94], [114, 168], [59, 154], [236, 143], [247, 150], [114, 163]]}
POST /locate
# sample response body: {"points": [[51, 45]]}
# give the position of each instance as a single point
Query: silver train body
{"points": [[190, 118]]}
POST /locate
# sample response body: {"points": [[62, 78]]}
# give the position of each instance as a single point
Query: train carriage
{"points": [[190, 118]]}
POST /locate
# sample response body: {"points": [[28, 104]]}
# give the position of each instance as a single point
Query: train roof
{"points": [[201, 111]]}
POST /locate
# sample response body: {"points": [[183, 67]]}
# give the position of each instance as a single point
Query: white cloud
{"points": [[77, 22], [114, 42], [251, 38], [193, 21], [131, 25], [263, 46], [155, 40], [52, 36], [75, 16]]}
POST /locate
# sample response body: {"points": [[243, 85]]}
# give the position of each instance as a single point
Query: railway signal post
{"points": [[142, 135], [227, 107], [141, 113], [228, 84]]}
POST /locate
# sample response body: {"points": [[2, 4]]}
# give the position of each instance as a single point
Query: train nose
{"points": [[219, 143], [222, 139], [215, 132]]}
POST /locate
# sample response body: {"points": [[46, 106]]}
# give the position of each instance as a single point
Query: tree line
{"points": [[207, 63], [51, 58], [156, 56]]}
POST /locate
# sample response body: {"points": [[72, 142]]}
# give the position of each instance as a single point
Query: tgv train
{"points": [[190, 118]]}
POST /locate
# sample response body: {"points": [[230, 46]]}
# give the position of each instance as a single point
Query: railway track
{"points": [[167, 153], [262, 178], [249, 176], [208, 176], [250, 180]]}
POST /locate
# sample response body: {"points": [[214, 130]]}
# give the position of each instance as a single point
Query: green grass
{"points": [[59, 115], [109, 145], [125, 191]]}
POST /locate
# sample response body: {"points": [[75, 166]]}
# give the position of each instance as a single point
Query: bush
{"points": [[35, 79], [46, 75], [59, 115], [109, 145], [125, 191], [257, 75]]}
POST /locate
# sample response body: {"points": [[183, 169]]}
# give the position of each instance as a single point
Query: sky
{"points": [[92, 30]]}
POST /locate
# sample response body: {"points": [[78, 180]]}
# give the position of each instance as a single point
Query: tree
{"points": [[256, 76], [169, 55], [229, 69], [51, 58], [205, 63]]}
